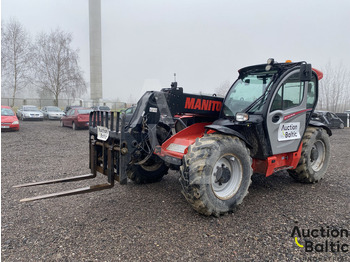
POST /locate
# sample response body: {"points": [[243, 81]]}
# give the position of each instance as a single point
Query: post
{"points": [[95, 50]]}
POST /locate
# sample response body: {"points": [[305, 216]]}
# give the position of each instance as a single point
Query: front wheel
{"points": [[151, 171], [341, 126], [314, 158], [74, 126], [216, 174]]}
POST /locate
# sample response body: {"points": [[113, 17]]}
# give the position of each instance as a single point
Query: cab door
{"points": [[286, 115]]}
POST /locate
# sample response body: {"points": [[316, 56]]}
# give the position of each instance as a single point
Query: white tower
{"points": [[95, 50]]}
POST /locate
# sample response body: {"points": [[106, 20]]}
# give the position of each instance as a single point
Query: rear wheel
{"points": [[314, 158], [216, 174], [151, 171], [61, 123], [74, 126], [341, 126]]}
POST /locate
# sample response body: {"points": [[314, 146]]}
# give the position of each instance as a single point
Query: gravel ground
{"points": [[154, 222]]}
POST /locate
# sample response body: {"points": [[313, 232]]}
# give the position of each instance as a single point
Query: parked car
{"points": [[52, 112], [101, 108], [128, 113], [70, 107], [9, 120], [30, 113], [328, 118], [76, 118]]}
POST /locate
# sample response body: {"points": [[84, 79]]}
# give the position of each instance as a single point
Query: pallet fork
{"points": [[103, 158]]}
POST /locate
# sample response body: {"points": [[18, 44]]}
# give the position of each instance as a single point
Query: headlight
{"points": [[240, 117], [15, 123]]}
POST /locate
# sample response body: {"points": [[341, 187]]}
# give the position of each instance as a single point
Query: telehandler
{"points": [[262, 126]]}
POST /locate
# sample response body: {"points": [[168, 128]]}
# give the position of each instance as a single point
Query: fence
{"points": [[62, 103]]}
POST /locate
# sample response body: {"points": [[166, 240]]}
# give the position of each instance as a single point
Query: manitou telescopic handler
{"points": [[262, 126]]}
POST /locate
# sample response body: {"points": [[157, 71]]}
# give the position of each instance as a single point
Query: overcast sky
{"points": [[204, 42]]}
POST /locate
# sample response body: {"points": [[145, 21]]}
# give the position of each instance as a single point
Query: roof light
{"points": [[288, 61], [270, 61]]}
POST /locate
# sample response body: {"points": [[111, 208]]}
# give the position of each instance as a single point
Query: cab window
{"points": [[290, 94], [311, 93]]}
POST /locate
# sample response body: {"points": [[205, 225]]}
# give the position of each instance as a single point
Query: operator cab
{"points": [[271, 105]]}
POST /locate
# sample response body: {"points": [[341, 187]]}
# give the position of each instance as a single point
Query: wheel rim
{"points": [[151, 165], [226, 177], [317, 155]]}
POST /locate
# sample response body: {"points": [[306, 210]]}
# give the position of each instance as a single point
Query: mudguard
{"points": [[176, 146], [229, 131]]}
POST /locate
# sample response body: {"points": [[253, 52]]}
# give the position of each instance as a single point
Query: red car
{"points": [[76, 118], [9, 120]]}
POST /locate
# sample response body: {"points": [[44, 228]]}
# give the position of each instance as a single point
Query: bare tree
{"points": [[223, 88], [334, 90], [56, 65], [15, 56]]}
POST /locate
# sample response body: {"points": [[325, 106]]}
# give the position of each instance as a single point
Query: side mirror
{"points": [[305, 72]]}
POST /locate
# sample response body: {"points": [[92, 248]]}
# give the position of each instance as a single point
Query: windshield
{"points": [[104, 108], [84, 111], [30, 108], [54, 109], [7, 112], [247, 89]]}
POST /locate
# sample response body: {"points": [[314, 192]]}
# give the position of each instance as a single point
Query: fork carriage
{"points": [[108, 150], [101, 154]]}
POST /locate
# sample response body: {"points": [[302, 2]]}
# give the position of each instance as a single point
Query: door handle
{"points": [[275, 118]]}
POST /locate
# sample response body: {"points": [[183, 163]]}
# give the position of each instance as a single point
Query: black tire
{"points": [[74, 126], [151, 171], [218, 192], [61, 123], [315, 156], [341, 126]]}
